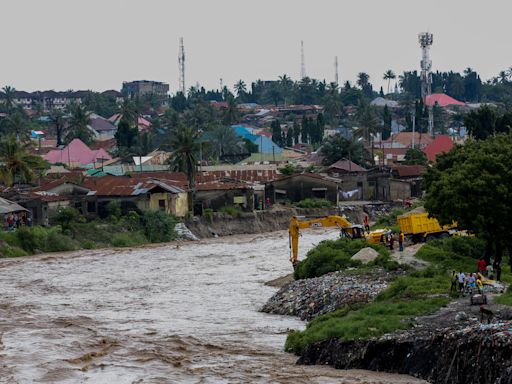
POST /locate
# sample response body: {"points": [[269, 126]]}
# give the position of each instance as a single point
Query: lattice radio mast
{"points": [[336, 79], [181, 63], [426, 39], [302, 61]]}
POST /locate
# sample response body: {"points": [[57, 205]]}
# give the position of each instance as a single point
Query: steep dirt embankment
{"points": [[458, 355], [221, 224]]}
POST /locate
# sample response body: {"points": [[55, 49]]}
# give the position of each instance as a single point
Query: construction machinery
{"points": [[420, 227], [347, 230]]}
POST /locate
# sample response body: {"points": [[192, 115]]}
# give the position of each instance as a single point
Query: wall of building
{"points": [[301, 187], [399, 189], [219, 198]]}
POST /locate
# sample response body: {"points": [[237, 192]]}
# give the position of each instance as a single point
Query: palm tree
{"points": [[286, 85], [185, 144], [9, 97], [17, 165], [231, 113], [240, 88], [18, 125], [224, 141], [78, 124], [57, 119], [389, 75], [362, 79]]}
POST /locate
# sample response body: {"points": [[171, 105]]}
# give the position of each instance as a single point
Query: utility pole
{"points": [[181, 64], [426, 39], [302, 61]]}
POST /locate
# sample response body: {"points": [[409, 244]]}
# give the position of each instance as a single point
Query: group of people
{"points": [[389, 238], [468, 282], [16, 220]]}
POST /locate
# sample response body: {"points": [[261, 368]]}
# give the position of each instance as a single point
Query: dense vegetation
{"points": [[72, 233], [336, 255], [417, 293]]}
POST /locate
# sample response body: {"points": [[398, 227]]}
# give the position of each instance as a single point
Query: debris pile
{"points": [[468, 352], [309, 298]]}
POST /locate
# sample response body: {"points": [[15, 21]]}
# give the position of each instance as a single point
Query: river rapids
{"points": [[161, 314]]}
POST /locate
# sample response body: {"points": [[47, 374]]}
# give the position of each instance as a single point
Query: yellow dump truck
{"points": [[420, 227]]}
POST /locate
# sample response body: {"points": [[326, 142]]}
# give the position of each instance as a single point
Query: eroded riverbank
{"points": [[156, 315]]}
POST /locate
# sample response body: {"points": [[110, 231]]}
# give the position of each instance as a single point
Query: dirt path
{"points": [[408, 256]]}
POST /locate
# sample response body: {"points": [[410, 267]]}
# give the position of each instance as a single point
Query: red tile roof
{"points": [[441, 99], [441, 143], [405, 138], [217, 185], [127, 186]]}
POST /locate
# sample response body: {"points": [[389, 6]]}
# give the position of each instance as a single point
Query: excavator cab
{"points": [[352, 232]]}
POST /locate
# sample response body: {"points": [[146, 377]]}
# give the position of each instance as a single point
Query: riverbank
{"points": [[412, 325]]}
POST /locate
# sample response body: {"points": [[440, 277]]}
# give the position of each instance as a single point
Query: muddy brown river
{"points": [[156, 315]]}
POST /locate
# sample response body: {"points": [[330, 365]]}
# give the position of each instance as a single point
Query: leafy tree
{"points": [[17, 165], [78, 124], [250, 147], [289, 137], [158, 226], [126, 135], [231, 114], [186, 145], [304, 130], [389, 75], [337, 147], [471, 185], [415, 156], [296, 132], [100, 104], [386, 127], [277, 135], [57, 119], [17, 124], [67, 217], [481, 123]]}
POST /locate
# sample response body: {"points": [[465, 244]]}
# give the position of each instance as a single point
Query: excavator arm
{"points": [[352, 231]]}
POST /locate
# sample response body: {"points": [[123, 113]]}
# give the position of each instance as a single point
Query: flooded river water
{"points": [[156, 315]]}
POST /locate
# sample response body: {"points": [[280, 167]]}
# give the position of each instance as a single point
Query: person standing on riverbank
{"points": [[401, 239]]}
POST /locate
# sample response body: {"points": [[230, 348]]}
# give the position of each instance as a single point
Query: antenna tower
{"points": [[336, 79], [181, 62], [302, 62], [426, 39]]}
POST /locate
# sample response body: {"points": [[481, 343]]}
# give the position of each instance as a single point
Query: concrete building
{"points": [[144, 87]]}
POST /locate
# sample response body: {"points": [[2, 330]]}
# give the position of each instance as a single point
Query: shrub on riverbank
{"points": [[314, 203], [335, 255], [128, 231], [418, 293]]}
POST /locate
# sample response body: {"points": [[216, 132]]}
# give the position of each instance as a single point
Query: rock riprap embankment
{"points": [[309, 298]]}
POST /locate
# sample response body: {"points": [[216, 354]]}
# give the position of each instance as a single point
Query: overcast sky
{"points": [[98, 44]]}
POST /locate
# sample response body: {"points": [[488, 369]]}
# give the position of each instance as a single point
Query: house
{"points": [[142, 123], [441, 100], [218, 194], [8, 207], [441, 144], [76, 154], [102, 128], [295, 188], [264, 143], [137, 193], [139, 88], [353, 179]]}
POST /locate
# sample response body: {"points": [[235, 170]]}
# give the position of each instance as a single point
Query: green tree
{"points": [[386, 126], [231, 113], [17, 164], [389, 75], [471, 185], [277, 135], [240, 89], [337, 147], [126, 135], [186, 145], [224, 141], [58, 121], [17, 123], [10, 95], [79, 120], [289, 137], [481, 123], [415, 156], [296, 132], [304, 130]]}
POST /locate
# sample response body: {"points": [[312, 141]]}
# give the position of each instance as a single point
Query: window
{"points": [[91, 206], [161, 205]]}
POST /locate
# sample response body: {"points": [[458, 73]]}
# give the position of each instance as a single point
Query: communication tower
{"points": [[336, 79], [181, 63], [302, 62], [426, 39]]}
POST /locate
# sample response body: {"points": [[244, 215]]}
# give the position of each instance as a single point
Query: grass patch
{"points": [[314, 203], [131, 239], [416, 294], [231, 210], [335, 255]]}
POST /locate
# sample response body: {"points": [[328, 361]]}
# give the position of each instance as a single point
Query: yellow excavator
{"points": [[347, 230]]}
